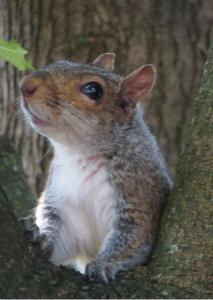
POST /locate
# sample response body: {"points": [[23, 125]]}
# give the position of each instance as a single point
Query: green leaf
{"points": [[12, 52]]}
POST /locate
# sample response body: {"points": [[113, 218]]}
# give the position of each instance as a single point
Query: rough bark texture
{"points": [[181, 266], [13, 182], [188, 226], [173, 35]]}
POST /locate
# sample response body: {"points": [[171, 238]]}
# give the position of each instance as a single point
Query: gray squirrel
{"points": [[108, 182]]}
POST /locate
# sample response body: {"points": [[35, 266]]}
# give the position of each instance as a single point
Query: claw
{"points": [[31, 230], [46, 245], [102, 271], [104, 276]]}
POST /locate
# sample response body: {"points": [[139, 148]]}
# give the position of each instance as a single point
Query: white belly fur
{"points": [[85, 202]]}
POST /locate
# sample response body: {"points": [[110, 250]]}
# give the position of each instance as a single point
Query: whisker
{"points": [[68, 120], [18, 112], [44, 155], [62, 98], [68, 109]]}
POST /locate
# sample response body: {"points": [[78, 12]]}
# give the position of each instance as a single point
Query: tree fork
{"points": [[180, 266]]}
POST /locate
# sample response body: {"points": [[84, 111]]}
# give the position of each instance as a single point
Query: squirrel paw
{"points": [[103, 271], [31, 230], [46, 245]]}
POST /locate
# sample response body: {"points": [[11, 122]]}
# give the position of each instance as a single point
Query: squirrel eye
{"points": [[93, 90]]}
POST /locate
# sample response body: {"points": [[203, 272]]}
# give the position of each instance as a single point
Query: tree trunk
{"points": [[181, 265], [187, 227], [173, 35]]}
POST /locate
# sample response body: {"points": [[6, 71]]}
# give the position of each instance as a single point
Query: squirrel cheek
{"points": [[51, 111]]}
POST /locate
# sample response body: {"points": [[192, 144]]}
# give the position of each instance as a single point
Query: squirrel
{"points": [[108, 181]]}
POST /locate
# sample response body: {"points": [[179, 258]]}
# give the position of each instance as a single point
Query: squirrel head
{"points": [[71, 101]]}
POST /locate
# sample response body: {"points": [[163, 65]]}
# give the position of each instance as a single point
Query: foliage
{"points": [[13, 53]]}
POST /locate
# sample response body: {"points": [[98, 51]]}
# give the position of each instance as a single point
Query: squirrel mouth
{"points": [[35, 119], [38, 121]]}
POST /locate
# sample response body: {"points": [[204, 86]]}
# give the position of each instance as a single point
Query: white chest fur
{"points": [[85, 201]]}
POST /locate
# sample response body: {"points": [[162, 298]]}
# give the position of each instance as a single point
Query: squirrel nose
{"points": [[29, 86]]}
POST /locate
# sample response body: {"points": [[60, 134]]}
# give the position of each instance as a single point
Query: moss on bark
{"points": [[13, 181], [187, 226]]}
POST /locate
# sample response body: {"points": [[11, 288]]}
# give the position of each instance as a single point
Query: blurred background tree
{"points": [[172, 35]]}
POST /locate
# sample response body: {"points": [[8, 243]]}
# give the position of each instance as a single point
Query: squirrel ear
{"points": [[105, 60], [137, 84]]}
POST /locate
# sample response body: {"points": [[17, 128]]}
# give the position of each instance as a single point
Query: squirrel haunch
{"points": [[108, 182]]}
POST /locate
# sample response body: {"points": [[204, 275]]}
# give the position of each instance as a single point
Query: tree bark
{"points": [[187, 227], [13, 182], [173, 35], [181, 264]]}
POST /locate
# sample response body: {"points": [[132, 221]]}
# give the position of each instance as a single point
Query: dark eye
{"points": [[93, 90]]}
